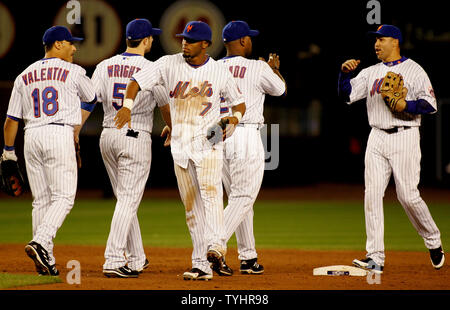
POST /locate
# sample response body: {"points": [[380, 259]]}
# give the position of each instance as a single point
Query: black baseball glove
{"points": [[11, 179], [215, 133]]}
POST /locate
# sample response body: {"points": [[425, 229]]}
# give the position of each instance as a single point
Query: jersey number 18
{"points": [[49, 99]]}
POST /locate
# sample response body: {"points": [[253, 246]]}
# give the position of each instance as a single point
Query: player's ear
{"points": [[242, 41], [58, 45], [206, 44]]}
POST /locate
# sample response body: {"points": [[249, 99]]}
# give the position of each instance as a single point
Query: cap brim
{"points": [[76, 39], [189, 37], [156, 31], [372, 34], [253, 33]]}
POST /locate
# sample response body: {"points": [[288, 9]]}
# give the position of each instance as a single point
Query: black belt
{"points": [[59, 124], [395, 129]]}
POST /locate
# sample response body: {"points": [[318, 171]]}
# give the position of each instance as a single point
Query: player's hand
{"points": [[229, 127], [350, 65], [273, 62], [122, 117], [166, 132]]}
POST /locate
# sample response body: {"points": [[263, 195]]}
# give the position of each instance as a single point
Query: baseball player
{"points": [[244, 156], [194, 83], [393, 146], [126, 152], [46, 95]]}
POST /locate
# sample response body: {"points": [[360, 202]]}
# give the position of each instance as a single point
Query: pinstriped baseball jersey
{"points": [[255, 79], [194, 94], [393, 153], [127, 158], [367, 85], [49, 91], [243, 166], [110, 79], [47, 96], [194, 97]]}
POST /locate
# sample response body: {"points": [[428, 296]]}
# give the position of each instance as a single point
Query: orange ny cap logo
{"points": [[380, 27], [189, 28]]}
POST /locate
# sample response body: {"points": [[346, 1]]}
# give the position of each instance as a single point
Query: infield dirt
{"points": [[284, 270]]}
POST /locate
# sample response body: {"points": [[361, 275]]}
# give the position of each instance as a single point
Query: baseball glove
{"points": [[216, 132], [393, 92], [11, 179]]}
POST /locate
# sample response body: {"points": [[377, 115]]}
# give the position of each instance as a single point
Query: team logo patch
{"points": [[189, 28]]}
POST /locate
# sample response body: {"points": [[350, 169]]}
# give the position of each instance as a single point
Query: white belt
{"points": [[249, 125]]}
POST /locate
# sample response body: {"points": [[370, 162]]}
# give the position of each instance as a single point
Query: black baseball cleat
{"points": [[215, 257], [145, 266], [121, 272], [437, 257], [197, 274], [251, 266], [39, 255], [368, 264], [222, 269]]}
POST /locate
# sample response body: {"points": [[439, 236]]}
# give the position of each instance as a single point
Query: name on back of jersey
{"points": [[122, 71], [45, 74]]}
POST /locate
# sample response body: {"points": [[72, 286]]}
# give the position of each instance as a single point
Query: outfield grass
{"points": [[8, 280], [278, 224]]}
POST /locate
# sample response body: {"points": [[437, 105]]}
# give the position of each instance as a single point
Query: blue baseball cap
{"points": [[141, 28], [196, 30], [58, 33], [388, 31], [237, 29]]}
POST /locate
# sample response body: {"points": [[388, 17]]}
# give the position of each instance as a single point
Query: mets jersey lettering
{"points": [[256, 79], [50, 91], [367, 85], [194, 97], [123, 71], [205, 90], [110, 80], [45, 74]]}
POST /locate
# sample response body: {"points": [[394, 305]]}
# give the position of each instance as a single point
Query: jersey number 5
{"points": [[117, 94], [50, 101]]}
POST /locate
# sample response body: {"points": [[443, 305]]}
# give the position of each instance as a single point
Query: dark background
{"points": [[321, 138]]}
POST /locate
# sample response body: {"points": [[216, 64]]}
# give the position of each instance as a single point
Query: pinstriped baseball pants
{"points": [[200, 188], [243, 171], [52, 173], [127, 161], [396, 154]]}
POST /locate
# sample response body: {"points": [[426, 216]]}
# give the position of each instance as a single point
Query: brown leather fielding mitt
{"points": [[393, 92]]}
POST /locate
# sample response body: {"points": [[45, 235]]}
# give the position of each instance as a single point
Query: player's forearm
{"points": [[130, 94], [344, 86], [277, 72], [420, 106], [165, 112], [132, 90], [10, 131], [239, 108], [238, 112], [84, 116]]}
